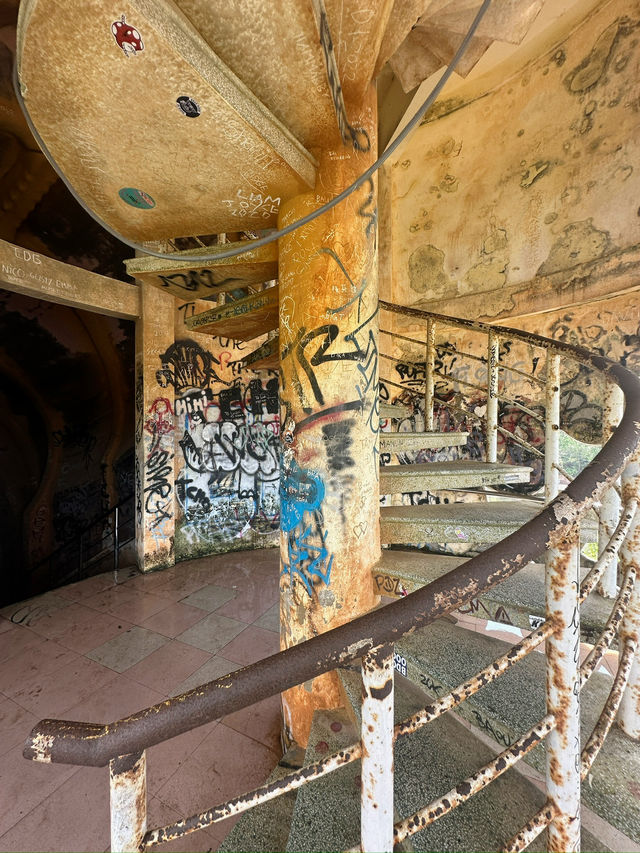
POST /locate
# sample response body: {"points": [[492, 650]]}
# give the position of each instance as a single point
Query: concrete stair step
{"points": [[441, 656], [518, 601], [473, 524], [407, 442], [433, 760], [242, 320], [264, 357], [460, 473], [266, 827], [394, 411], [238, 158], [189, 280], [327, 812]]}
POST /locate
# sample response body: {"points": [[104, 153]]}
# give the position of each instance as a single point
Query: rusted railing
{"points": [[555, 530]]}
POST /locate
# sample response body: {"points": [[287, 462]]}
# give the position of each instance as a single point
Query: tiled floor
{"points": [[95, 651]]}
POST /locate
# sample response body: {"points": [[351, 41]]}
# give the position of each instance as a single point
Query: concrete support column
{"points": [[329, 412], [155, 515]]}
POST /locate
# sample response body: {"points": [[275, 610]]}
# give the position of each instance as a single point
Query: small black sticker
{"points": [[188, 106]]}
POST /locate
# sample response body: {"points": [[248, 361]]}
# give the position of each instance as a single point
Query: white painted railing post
{"points": [[552, 427], [562, 583], [629, 711], [376, 812], [493, 378], [563, 689], [429, 377], [610, 509], [128, 797]]}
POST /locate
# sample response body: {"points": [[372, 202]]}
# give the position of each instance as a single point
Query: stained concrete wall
{"points": [[516, 200], [207, 434]]}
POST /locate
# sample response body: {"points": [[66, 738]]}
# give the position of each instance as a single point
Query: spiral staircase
{"points": [[509, 550]]}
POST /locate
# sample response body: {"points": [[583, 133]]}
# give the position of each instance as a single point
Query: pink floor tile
{"points": [[28, 668], [168, 666], [174, 619], [143, 606], [5, 625], [127, 649], [51, 695], [249, 604], [261, 722], [225, 764], [214, 668], [251, 645], [164, 759], [24, 785], [117, 699], [181, 585], [17, 640], [15, 724], [109, 600], [49, 827], [52, 624], [84, 637], [90, 586]]}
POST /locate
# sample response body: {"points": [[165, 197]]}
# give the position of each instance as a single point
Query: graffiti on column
{"points": [[302, 492]]}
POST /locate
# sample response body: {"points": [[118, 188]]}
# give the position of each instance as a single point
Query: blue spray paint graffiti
{"points": [[301, 494]]}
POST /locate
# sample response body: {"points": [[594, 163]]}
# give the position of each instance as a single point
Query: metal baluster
{"points": [[562, 584], [429, 377], [128, 798], [610, 510], [116, 545], [563, 689], [493, 360], [629, 712], [552, 427], [376, 809]]}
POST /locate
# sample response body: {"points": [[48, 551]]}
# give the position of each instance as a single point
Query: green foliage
{"points": [[574, 455]]}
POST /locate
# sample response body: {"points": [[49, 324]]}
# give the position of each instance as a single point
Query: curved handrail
{"points": [[90, 744]]}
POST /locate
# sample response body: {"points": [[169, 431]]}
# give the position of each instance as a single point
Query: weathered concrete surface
{"points": [[443, 655], [330, 421], [459, 473], [241, 319], [33, 274], [189, 280], [235, 160], [518, 601], [155, 508], [401, 442], [534, 214]]}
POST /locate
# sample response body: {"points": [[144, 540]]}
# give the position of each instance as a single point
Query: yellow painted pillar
{"points": [[155, 511], [329, 413]]}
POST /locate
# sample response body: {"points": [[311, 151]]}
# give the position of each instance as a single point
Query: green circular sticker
{"points": [[136, 198]]}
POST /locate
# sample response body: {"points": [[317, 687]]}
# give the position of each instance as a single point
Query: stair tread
{"points": [[394, 410], [443, 655], [449, 474], [243, 319], [453, 752], [393, 442], [265, 827], [513, 601]]}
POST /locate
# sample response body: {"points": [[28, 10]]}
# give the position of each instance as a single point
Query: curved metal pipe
{"points": [[67, 742]]}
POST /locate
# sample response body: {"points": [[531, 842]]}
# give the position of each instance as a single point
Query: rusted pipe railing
{"points": [[96, 745]]}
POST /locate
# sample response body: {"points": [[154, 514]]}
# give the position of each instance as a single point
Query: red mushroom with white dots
{"points": [[127, 37]]}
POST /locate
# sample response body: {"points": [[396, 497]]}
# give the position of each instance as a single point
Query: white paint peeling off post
{"points": [[128, 800], [376, 814]]}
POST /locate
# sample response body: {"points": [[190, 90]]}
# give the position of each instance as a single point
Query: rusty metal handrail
{"points": [[89, 744]]}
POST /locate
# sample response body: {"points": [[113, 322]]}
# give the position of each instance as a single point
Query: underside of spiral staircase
{"points": [[477, 516]]}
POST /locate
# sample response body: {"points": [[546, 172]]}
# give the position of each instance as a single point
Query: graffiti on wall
{"points": [[224, 433]]}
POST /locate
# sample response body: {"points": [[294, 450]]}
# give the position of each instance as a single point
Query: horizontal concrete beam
{"points": [[24, 271]]}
